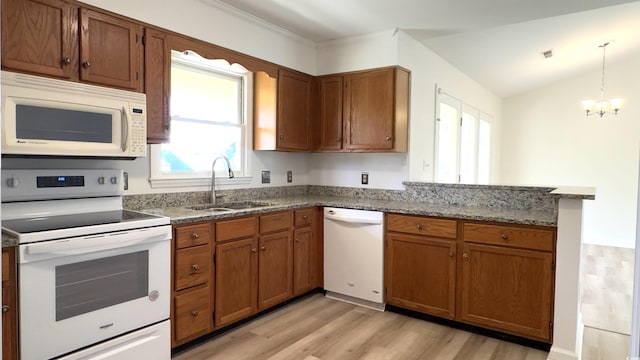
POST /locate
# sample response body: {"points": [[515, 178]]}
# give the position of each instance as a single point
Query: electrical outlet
{"points": [[266, 177], [125, 178], [289, 176], [364, 178]]}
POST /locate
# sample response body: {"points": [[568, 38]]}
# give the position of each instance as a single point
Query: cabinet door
{"points": [[275, 274], [110, 51], [508, 289], [331, 112], [421, 274], [236, 281], [157, 85], [294, 111], [40, 37], [369, 110], [302, 260], [9, 304]]}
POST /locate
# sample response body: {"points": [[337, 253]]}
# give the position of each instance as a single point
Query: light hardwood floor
{"points": [[320, 328], [317, 328]]}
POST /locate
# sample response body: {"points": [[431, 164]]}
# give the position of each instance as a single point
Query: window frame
{"points": [[158, 179], [478, 116]]}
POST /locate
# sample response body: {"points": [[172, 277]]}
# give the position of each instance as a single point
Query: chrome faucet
{"points": [[213, 177]]}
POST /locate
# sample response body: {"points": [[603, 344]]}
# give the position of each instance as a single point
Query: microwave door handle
{"points": [[125, 129]]}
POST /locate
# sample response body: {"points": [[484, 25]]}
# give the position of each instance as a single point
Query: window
{"points": [[208, 119], [463, 142]]}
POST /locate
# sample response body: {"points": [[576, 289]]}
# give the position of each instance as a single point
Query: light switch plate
{"points": [[364, 178], [266, 177]]}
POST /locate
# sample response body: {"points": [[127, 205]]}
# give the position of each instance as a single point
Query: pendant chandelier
{"points": [[601, 107]]}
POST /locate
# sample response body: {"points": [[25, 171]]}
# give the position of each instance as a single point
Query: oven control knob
{"points": [[114, 180], [154, 295], [101, 180], [13, 182]]}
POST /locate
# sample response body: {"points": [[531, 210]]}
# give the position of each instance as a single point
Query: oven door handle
{"points": [[88, 244]]}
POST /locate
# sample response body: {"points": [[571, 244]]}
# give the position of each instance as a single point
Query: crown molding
{"points": [[226, 8]]}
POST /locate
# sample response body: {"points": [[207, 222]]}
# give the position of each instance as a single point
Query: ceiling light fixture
{"points": [[611, 106]]}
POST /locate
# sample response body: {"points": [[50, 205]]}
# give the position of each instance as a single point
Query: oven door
{"points": [[80, 291]]}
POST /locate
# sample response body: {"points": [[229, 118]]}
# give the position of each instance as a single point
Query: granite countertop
{"points": [[180, 215]]}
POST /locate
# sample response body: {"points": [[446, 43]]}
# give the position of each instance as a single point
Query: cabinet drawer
{"points": [[275, 222], [421, 225], [193, 266], [535, 239], [303, 217], [192, 314], [236, 229], [192, 235]]}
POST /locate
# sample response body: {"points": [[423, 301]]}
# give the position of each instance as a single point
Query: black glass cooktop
{"points": [[49, 223]]}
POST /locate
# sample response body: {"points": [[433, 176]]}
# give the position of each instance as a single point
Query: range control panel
{"points": [[47, 184]]}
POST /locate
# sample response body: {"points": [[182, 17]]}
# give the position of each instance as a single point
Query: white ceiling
{"points": [[496, 42]]}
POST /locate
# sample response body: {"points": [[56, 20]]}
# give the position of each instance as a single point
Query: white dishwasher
{"points": [[354, 256]]}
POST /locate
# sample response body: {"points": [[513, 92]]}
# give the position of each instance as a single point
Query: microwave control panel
{"points": [[138, 131]]}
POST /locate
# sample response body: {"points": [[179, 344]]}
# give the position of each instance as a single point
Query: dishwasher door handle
{"points": [[353, 220]]}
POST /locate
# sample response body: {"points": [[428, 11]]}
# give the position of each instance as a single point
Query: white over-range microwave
{"points": [[49, 117]]}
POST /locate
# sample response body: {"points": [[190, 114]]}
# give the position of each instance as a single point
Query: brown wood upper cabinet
{"points": [[282, 111], [157, 85], [59, 39], [364, 111]]}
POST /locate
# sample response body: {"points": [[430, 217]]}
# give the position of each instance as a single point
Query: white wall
{"points": [[427, 70], [547, 140]]}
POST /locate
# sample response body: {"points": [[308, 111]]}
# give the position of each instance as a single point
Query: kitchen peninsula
{"points": [[512, 212]]}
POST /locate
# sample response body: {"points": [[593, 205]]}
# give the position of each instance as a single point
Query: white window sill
{"points": [[195, 182]]}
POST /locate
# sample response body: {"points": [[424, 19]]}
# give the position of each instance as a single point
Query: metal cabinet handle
{"points": [[338, 140], [297, 240], [388, 138], [5, 308], [451, 253], [281, 137], [194, 313], [195, 267], [504, 236], [465, 255], [263, 248], [86, 64], [305, 217], [419, 226], [195, 236], [254, 250], [66, 61]]}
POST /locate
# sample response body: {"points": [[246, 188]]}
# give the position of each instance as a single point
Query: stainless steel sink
{"points": [[229, 206]]}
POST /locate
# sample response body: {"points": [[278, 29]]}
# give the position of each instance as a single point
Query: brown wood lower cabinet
{"points": [[492, 275], [302, 260], [508, 289], [9, 305], [421, 274], [192, 278], [275, 269], [236, 281]]}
